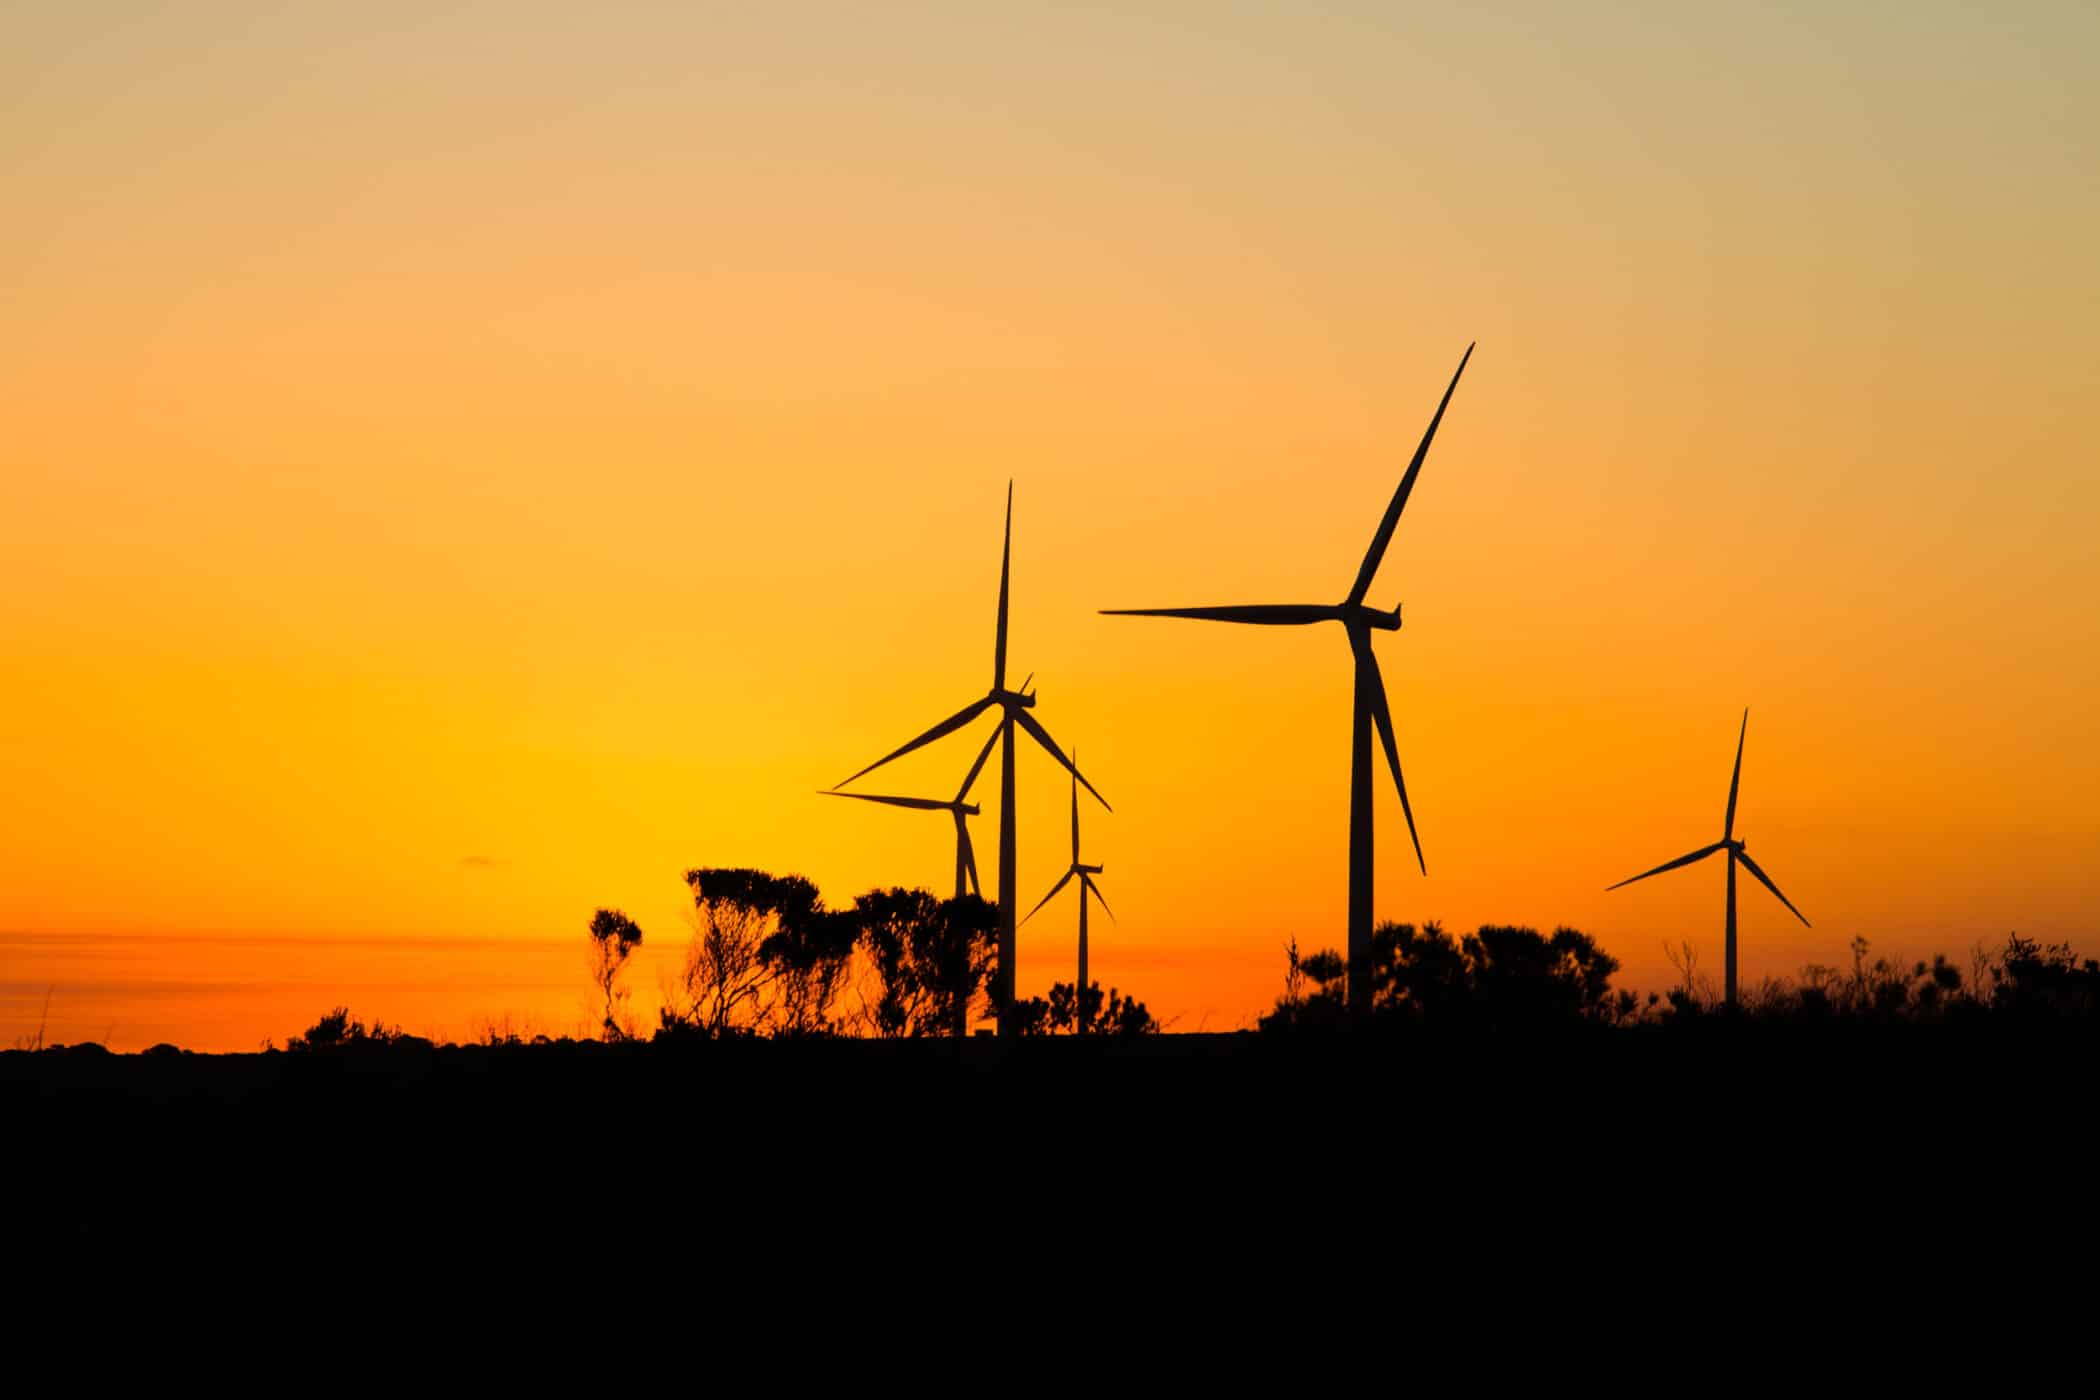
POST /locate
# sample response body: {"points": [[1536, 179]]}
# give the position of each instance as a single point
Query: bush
{"points": [[339, 1030], [1114, 1014], [1499, 977]]}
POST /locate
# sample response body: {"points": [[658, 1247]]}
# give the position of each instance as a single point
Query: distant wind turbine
{"points": [[1736, 853], [1368, 705], [1085, 875], [1014, 706], [959, 807]]}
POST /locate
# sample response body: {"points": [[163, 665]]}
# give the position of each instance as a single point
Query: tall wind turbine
{"points": [[1085, 875], [1734, 847], [959, 807], [1014, 707], [1368, 705]]}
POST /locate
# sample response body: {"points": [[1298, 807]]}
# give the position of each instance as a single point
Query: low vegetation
{"points": [[767, 959], [1502, 978]]}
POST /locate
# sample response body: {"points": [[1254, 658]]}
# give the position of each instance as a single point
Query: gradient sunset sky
{"points": [[466, 464]]}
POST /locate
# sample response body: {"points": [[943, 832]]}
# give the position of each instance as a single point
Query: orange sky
{"points": [[465, 465]]}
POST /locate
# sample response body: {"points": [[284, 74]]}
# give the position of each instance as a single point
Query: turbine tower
{"points": [[1734, 847], [1014, 707], [1085, 874], [960, 807], [1367, 707]]}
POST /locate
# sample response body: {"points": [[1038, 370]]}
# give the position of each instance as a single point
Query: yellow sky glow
{"points": [[464, 466]]}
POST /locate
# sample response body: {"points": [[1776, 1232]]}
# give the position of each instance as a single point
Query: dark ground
{"points": [[1866, 1088], [1469, 1167]]}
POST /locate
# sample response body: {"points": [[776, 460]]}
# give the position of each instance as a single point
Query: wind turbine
{"points": [[1085, 874], [1368, 705], [1734, 847], [960, 807], [1014, 707]]}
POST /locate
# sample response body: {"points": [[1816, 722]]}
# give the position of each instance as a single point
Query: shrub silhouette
{"points": [[339, 1030], [2033, 981], [1497, 977], [1507, 978], [1026, 1016], [2023, 981], [1512, 977], [1114, 1015]]}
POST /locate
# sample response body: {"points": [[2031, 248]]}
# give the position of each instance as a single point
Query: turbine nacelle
{"points": [[1013, 699], [1363, 615]]}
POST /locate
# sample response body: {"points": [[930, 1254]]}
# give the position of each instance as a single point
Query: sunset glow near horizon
{"points": [[466, 465]]}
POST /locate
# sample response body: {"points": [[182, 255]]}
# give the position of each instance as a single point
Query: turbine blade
{"points": [[1260, 614], [1075, 804], [1095, 890], [962, 794], [1384, 537], [1735, 779], [1048, 897], [962, 834], [1374, 696], [1701, 854], [947, 726], [923, 804], [1766, 881], [1042, 736], [1006, 554]]}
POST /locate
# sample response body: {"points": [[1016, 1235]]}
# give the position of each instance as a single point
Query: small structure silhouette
{"points": [[1736, 852], [1085, 875], [1368, 705], [1014, 707]]}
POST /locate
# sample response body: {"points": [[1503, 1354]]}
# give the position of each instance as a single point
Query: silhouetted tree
{"points": [[808, 955], [614, 937], [927, 959], [724, 986]]}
